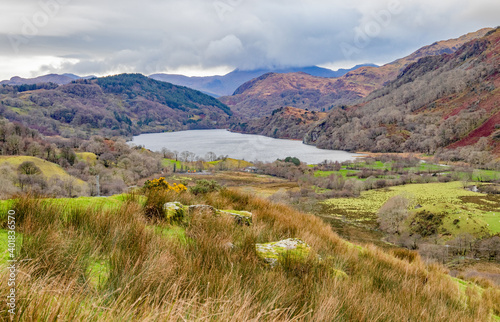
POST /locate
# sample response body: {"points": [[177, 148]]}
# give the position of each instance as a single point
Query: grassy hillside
{"points": [[112, 264], [49, 170]]}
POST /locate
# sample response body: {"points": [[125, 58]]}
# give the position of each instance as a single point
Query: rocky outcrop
{"points": [[272, 252], [241, 217]]}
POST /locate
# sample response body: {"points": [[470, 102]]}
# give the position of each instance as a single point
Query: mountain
{"points": [[260, 96], [50, 78], [227, 84], [285, 123], [450, 101], [116, 105]]}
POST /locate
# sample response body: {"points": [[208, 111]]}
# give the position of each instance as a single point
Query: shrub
{"points": [[392, 214], [205, 186], [28, 168], [161, 184]]}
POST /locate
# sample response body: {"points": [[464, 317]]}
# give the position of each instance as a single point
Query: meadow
{"points": [[222, 164], [49, 170], [476, 212], [107, 261]]}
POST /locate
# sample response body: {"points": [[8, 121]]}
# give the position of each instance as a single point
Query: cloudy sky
{"points": [[205, 37]]}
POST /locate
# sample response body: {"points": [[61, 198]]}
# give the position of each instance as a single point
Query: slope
{"points": [[48, 169], [262, 95], [450, 100], [285, 123], [116, 105], [207, 266]]}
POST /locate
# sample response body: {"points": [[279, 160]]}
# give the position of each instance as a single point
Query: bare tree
{"points": [[392, 214]]}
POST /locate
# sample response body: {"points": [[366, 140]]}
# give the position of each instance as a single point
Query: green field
{"points": [[343, 172], [49, 170], [474, 211], [229, 163], [355, 168]]}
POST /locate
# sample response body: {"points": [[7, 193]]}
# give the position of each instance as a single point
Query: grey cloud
{"points": [[154, 36]]}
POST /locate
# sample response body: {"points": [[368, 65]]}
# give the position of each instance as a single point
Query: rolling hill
{"points": [[262, 95], [124, 104]]}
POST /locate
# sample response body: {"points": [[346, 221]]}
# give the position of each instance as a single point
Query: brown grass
{"points": [[153, 278]]}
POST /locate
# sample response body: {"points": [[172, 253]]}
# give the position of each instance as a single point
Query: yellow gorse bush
{"points": [[160, 183]]}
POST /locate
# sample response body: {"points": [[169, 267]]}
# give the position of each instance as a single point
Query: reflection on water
{"points": [[238, 146]]}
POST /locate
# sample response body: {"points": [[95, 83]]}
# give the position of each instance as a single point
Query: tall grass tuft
{"points": [[147, 275]]}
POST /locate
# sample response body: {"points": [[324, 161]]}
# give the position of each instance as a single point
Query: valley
{"points": [[370, 193]]}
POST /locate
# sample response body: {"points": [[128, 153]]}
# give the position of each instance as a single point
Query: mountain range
{"points": [[443, 101], [212, 85], [444, 95], [227, 84], [50, 78], [262, 95]]}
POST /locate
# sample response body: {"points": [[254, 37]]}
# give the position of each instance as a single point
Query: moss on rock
{"points": [[241, 217], [292, 248], [174, 211]]}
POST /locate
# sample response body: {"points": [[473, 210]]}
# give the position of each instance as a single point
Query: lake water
{"points": [[238, 146]]}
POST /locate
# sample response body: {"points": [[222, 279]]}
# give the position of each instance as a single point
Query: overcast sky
{"points": [[205, 37]]}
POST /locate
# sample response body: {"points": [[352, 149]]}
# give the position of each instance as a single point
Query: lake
{"points": [[238, 146]]}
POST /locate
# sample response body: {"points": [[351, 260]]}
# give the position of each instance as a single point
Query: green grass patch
{"points": [[173, 233], [171, 162], [231, 163], [485, 175], [49, 170], [343, 172], [104, 203], [4, 254], [98, 272], [474, 214]]}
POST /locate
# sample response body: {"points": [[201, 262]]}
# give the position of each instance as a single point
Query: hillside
{"points": [[227, 84], [449, 100], [124, 104], [198, 260], [260, 96], [285, 123]]}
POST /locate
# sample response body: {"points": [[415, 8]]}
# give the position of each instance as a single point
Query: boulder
{"points": [[271, 252], [241, 217], [174, 211]]}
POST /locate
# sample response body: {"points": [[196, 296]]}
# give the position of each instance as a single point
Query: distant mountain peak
{"points": [[49, 78], [229, 83]]}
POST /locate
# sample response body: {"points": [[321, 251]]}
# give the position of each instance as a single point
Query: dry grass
{"points": [[153, 278]]}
